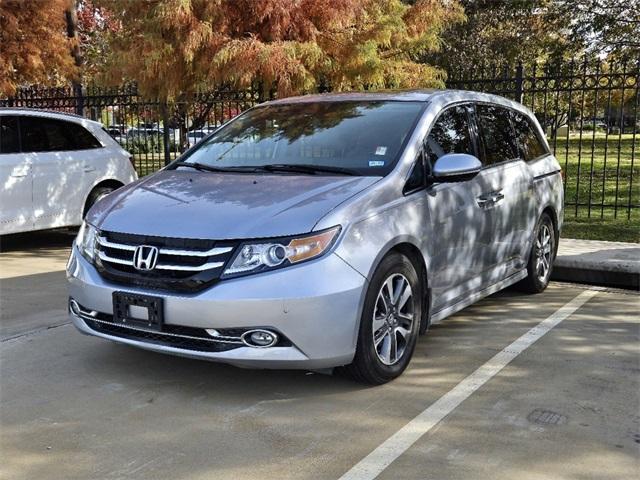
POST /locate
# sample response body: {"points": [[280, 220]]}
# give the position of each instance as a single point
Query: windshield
{"points": [[364, 137]]}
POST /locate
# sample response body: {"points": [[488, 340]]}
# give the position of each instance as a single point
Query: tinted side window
{"points": [[530, 143], [9, 135], [51, 135], [417, 177], [44, 135], [496, 133], [83, 138], [450, 134]]}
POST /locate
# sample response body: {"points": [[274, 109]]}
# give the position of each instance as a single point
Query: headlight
{"points": [[86, 240], [259, 256]]}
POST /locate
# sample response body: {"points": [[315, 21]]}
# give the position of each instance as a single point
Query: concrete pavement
{"points": [[33, 291], [78, 407]]}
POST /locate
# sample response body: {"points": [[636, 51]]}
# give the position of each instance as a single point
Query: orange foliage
{"points": [[172, 48], [33, 43]]}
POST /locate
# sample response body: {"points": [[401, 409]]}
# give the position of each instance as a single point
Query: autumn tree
{"points": [[502, 32], [95, 26], [604, 26], [174, 48], [34, 46]]}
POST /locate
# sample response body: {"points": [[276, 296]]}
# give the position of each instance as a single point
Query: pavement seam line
{"points": [[379, 459], [33, 332]]}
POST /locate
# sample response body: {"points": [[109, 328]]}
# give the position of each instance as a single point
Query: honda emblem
{"points": [[145, 257]]}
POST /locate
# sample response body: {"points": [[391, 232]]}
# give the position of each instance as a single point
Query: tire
{"points": [[375, 362], [543, 252], [96, 194]]}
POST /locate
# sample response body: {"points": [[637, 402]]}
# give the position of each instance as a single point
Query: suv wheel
{"points": [[541, 258], [389, 324]]}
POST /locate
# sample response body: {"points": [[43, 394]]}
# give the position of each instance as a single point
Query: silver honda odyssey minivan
{"points": [[323, 231]]}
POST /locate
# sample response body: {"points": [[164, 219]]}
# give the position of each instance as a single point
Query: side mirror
{"points": [[456, 167]]}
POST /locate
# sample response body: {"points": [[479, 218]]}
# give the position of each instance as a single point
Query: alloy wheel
{"points": [[393, 318], [543, 252]]}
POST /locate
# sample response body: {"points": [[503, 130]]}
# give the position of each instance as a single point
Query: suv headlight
{"points": [[86, 240], [262, 255]]}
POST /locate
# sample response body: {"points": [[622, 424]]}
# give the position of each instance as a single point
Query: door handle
{"points": [[497, 197], [89, 169], [19, 175], [491, 199]]}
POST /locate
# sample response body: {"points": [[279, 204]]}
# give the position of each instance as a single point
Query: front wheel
{"points": [[389, 324], [541, 257]]}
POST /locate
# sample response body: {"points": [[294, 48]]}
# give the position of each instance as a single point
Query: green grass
{"points": [[602, 229], [147, 163], [589, 178]]}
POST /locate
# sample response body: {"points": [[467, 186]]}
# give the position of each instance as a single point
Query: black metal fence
{"points": [[589, 110]]}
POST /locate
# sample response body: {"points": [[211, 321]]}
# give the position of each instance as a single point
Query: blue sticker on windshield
{"points": [[376, 163]]}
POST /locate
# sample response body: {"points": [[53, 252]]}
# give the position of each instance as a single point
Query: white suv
{"points": [[54, 167]]}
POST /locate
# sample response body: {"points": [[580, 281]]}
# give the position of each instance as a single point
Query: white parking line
{"points": [[374, 463]]}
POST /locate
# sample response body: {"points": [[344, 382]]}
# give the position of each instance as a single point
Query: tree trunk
{"points": [[72, 24]]}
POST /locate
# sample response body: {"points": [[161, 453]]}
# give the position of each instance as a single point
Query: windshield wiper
{"points": [[209, 168], [308, 169], [275, 167]]}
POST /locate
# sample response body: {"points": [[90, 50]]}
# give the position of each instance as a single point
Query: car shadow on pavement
{"points": [[39, 241]]}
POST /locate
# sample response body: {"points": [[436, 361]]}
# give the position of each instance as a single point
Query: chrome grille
{"points": [[183, 264]]}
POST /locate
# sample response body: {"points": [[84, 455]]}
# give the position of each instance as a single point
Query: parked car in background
{"points": [[194, 136], [117, 132], [144, 134], [324, 231], [54, 167]]}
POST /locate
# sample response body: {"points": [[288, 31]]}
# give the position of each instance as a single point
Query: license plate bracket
{"points": [[129, 307]]}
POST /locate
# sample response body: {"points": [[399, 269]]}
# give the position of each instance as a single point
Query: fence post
{"points": [[78, 92], [519, 76], [165, 133]]}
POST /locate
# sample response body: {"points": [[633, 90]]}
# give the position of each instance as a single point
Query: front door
{"points": [[461, 228], [16, 208]]}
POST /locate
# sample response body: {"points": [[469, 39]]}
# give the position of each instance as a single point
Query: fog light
{"points": [[74, 307], [259, 338], [78, 311]]}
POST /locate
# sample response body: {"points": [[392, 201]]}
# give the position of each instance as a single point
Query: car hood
{"points": [[185, 204]]}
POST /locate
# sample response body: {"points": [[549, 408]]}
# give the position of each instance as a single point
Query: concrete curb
{"points": [[612, 264], [604, 278]]}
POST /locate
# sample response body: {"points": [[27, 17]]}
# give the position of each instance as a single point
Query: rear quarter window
{"points": [[84, 139], [530, 143]]}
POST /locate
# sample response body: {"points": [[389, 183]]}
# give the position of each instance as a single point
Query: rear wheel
{"points": [[389, 324], [542, 256]]}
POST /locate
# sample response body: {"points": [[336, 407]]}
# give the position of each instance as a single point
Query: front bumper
{"points": [[315, 305]]}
